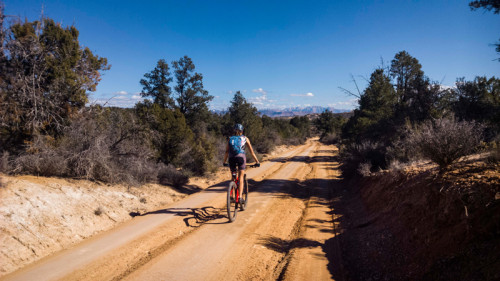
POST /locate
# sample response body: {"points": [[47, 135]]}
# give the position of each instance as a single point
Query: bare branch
{"points": [[356, 84], [349, 92]]}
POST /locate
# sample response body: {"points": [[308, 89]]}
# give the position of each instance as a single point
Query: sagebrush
{"points": [[444, 140]]}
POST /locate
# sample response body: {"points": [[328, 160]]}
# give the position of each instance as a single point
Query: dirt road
{"points": [[286, 233]]}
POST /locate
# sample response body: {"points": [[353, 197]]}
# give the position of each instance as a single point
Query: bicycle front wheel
{"points": [[231, 201]]}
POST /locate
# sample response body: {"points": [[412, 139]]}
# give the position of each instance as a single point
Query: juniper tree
{"points": [[416, 95], [192, 98], [376, 109], [479, 100], [44, 79], [243, 112], [155, 85]]}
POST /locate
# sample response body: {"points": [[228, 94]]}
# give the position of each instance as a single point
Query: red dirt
{"points": [[417, 224]]}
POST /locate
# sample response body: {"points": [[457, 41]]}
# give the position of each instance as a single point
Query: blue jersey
{"points": [[237, 145]]}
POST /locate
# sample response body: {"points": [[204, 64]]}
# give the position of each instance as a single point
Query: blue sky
{"points": [[278, 53]]}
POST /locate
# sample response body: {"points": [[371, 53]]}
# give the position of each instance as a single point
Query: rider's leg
{"points": [[241, 177]]}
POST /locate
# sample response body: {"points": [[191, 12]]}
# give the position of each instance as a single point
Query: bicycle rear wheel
{"points": [[245, 194], [231, 201]]}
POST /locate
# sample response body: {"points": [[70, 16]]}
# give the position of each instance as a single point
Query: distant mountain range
{"points": [[299, 111], [293, 111]]}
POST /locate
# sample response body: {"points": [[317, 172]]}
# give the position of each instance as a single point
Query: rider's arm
{"points": [[251, 151], [227, 153]]}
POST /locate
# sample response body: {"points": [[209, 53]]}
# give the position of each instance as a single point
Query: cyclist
{"points": [[235, 150]]}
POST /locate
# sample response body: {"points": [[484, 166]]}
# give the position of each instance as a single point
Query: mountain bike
{"points": [[233, 194]]}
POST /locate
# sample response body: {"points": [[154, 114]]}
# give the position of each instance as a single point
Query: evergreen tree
{"points": [[486, 4], [244, 113], [170, 133], [328, 123], [303, 124], [376, 109], [416, 95], [44, 79], [479, 100], [192, 98], [155, 85], [407, 71]]}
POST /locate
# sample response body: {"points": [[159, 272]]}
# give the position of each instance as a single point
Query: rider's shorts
{"points": [[239, 161]]}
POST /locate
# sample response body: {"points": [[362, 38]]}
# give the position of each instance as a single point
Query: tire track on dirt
{"points": [[316, 254]]}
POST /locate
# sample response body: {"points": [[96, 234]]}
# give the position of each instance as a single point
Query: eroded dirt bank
{"points": [[40, 216], [417, 225]]}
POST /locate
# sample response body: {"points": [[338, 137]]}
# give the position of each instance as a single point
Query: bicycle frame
{"points": [[236, 180], [233, 195]]}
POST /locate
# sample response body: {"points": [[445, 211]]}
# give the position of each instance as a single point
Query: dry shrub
{"points": [[330, 138], [41, 159], [169, 175], [396, 166], [103, 144], [444, 140], [107, 145], [294, 141], [4, 162], [364, 169], [494, 157], [267, 143], [46, 163], [353, 155]]}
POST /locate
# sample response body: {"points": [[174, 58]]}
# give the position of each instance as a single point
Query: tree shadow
{"points": [[327, 192], [187, 189], [283, 246]]}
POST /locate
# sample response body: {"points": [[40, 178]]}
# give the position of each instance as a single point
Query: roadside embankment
{"points": [[417, 224], [40, 215]]}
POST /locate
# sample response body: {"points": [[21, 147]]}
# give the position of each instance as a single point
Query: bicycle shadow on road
{"points": [[194, 217]]}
